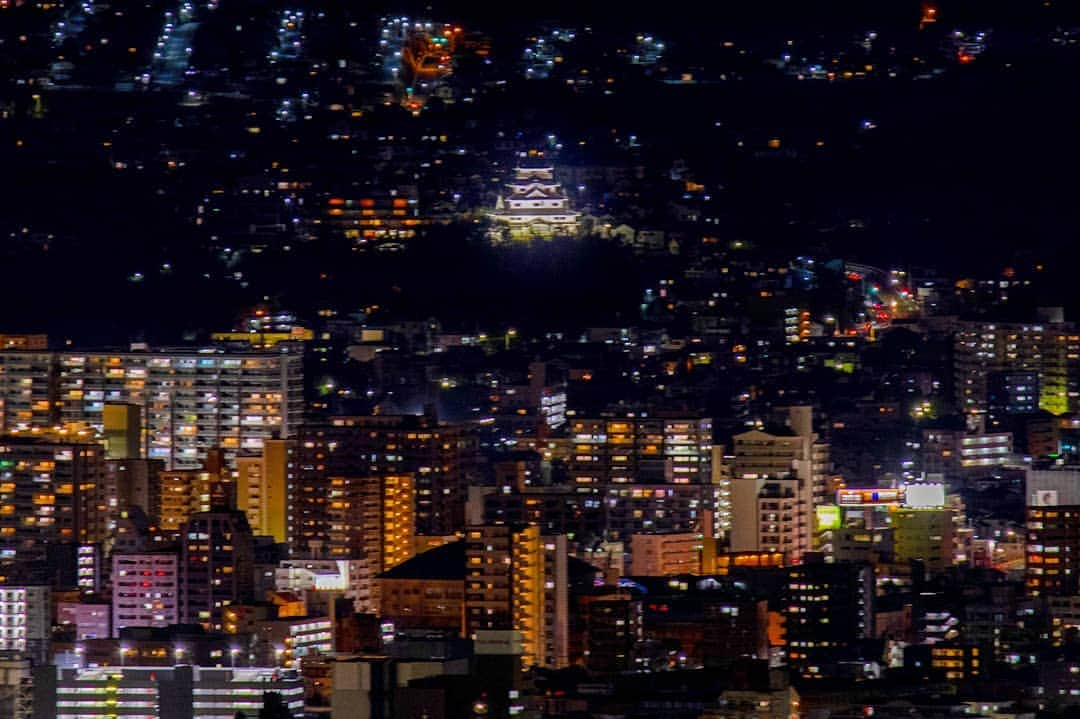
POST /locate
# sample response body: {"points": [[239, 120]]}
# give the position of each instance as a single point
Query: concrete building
{"points": [[372, 522], [658, 555], [828, 610], [16, 688], [516, 580], [1051, 350], [262, 486], [441, 459], [640, 449], [779, 475], [179, 692], [925, 534], [294, 638], [960, 453], [216, 566], [146, 590], [1053, 532], [534, 207], [190, 399], [90, 620], [26, 620], [46, 488], [427, 591]]}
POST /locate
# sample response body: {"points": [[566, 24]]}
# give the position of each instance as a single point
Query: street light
{"points": [[278, 651], [177, 653], [123, 651], [232, 655]]}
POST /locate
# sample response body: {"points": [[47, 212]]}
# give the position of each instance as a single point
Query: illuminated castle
{"points": [[534, 206]]}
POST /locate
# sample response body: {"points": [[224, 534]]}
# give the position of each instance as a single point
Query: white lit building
{"points": [[297, 637], [180, 692], [535, 206], [25, 620]]}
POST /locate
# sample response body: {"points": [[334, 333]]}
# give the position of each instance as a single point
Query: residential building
{"points": [[516, 580], [146, 590], [26, 620], [441, 459], [216, 566], [779, 475], [640, 449], [665, 554], [373, 523], [191, 399], [262, 485]]}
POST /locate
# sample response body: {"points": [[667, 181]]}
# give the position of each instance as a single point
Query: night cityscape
{"points": [[561, 360]]}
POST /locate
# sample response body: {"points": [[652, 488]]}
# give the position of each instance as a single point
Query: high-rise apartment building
{"points": [[1051, 350], [216, 566], [640, 449], [441, 459], [47, 484], [956, 453], [262, 485], [372, 522], [190, 400], [516, 579], [145, 590], [779, 474], [185, 492]]}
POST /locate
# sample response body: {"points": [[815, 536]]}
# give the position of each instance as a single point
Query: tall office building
{"points": [[190, 400], [441, 459], [145, 590], [262, 485], [216, 566], [516, 580], [639, 449], [1051, 350], [47, 484], [373, 522], [779, 475]]}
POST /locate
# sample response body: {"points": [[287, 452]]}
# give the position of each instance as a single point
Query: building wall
{"points": [[190, 400], [658, 555], [145, 579]]}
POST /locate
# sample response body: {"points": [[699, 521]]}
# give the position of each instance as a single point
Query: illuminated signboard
{"points": [[869, 497], [829, 516]]}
